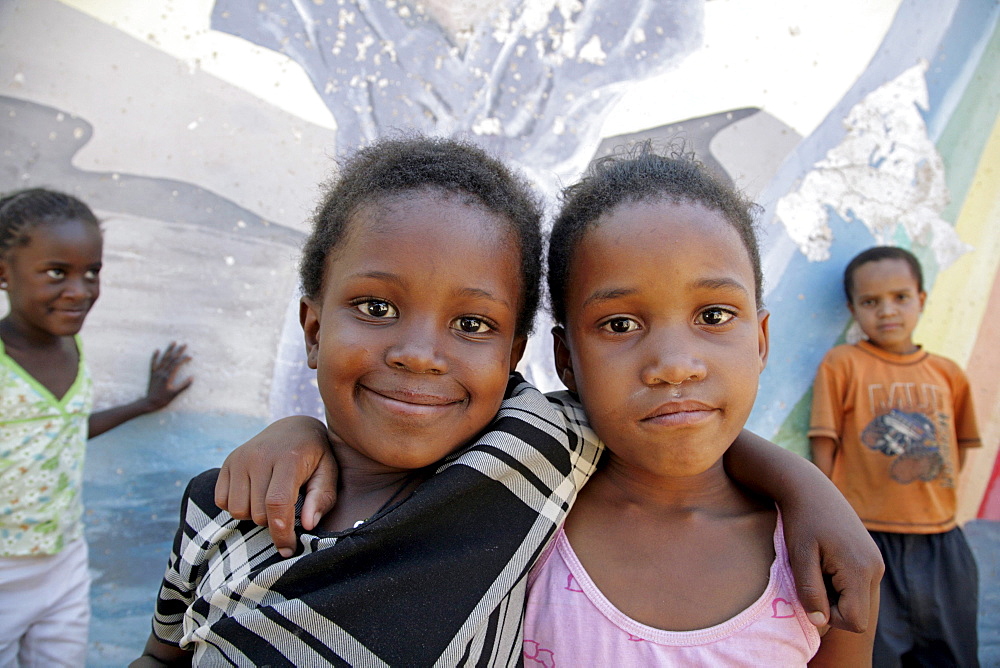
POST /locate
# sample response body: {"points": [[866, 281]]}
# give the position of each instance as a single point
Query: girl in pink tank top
{"points": [[655, 283]]}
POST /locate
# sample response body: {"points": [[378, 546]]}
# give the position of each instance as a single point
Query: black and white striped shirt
{"points": [[439, 579]]}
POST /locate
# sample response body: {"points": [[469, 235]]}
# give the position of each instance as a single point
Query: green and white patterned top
{"points": [[42, 444]]}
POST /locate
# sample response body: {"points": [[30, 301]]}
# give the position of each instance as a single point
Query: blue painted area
{"points": [[809, 317], [133, 482], [958, 55], [984, 538]]}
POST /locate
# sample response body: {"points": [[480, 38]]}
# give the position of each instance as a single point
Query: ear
{"points": [[309, 317], [4, 270], [563, 358], [923, 299], [850, 307], [763, 336], [517, 351]]}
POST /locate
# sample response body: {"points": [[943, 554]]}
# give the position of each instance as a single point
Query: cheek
{"points": [[342, 352], [487, 369]]}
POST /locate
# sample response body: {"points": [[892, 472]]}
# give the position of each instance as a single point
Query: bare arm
{"points": [[823, 448], [163, 388], [157, 654], [843, 648], [261, 479], [824, 535]]}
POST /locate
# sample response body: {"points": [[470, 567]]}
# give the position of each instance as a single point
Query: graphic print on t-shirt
{"points": [[907, 426]]}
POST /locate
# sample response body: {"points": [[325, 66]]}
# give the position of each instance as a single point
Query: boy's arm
{"points": [[157, 654], [260, 479], [842, 648], [823, 448], [826, 540]]}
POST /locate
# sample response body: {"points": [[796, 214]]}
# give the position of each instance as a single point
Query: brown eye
{"points": [[620, 325], [469, 324], [716, 316], [377, 308]]}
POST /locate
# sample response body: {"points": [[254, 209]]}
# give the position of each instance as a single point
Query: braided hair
{"points": [[23, 210]]}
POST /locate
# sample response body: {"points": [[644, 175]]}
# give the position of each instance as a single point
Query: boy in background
{"points": [[890, 425]]}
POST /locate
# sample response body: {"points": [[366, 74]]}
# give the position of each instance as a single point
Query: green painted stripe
{"points": [[969, 127]]}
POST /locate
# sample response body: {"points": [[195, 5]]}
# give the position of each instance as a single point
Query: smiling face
{"points": [[53, 280], [413, 334], [664, 342], [887, 302]]}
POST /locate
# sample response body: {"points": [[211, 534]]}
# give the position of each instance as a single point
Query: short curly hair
{"points": [[876, 253], [395, 167], [638, 175]]}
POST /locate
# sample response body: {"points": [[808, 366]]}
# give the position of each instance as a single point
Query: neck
{"points": [[359, 473], [16, 335], [365, 487], [710, 490]]}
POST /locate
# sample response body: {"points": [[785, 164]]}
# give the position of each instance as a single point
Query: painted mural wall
{"points": [[200, 130]]}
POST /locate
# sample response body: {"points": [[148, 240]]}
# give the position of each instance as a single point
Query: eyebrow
{"points": [[59, 264], [891, 290], [395, 279], [609, 294], [721, 284]]}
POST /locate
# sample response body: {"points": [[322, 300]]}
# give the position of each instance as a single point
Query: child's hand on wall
{"points": [[163, 370]]}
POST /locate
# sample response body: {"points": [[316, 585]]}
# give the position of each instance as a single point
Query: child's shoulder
{"points": [[841, 353], [201, 488], [945, 363]]}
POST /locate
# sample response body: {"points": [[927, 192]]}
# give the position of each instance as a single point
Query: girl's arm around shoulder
{"points": [[261, 479], [843, 648], [826, 540]]}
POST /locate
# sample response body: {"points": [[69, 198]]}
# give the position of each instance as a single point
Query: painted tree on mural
{"points": [[530, 79]]}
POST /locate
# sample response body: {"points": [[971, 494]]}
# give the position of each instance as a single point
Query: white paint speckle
{"points": [[487, 126], [592, 52], [886, 173]]}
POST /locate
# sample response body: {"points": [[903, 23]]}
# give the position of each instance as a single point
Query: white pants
{"points": [[45, 609]]}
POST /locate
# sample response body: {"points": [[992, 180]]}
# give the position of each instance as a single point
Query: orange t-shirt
{"points": [[898, 422]]}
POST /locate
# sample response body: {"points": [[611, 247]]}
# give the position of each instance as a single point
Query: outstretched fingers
{"points": [[163, 371]]}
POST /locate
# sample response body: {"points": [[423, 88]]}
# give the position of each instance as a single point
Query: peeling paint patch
{"points": [[886, 174]]}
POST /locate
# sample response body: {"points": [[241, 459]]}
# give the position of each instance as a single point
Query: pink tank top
{"points": [[568, 622]]}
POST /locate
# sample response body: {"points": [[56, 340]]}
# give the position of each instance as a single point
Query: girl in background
{"points": [[655, 283], [50, 263]]}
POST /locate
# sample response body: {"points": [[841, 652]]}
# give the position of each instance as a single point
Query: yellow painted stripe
{"points": [[956, 306]]}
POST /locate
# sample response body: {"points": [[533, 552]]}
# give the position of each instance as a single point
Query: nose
{"points": [[418, 349], [672, 358], [78, 288], [886, 308]]}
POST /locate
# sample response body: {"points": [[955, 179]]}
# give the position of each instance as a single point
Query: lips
{"points": [[679, 413], [411, 400], [72, 311]]}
